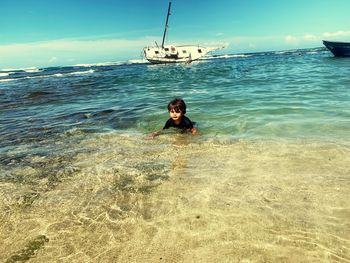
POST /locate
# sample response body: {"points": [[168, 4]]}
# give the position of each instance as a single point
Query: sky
{"points": [[44, 33]]}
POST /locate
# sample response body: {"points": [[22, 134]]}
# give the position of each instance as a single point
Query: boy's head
{"points": [[177, 105]]}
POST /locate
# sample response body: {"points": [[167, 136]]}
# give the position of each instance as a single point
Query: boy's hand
{"points": [[194, 131], [153, 135]]}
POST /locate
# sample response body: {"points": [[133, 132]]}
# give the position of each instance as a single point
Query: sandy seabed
{"points": [[119, 198]]}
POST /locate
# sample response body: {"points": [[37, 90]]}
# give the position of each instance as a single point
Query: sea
{"points": [[266, 179]]}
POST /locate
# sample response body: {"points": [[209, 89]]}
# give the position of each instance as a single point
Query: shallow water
{"points": [[290, 95], [266, 180], [119, 198]]}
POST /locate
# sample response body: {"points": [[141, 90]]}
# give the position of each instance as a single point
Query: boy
{"points": [[177, 111]]}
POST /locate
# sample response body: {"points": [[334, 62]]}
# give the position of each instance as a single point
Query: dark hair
{"points": [[177, 105]]}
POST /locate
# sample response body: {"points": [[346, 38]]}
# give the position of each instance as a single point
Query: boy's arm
{"points": [[193, 131], [154, 134], [157, 133]]}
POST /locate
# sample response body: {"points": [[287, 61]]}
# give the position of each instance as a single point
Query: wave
{"points": [[90, 71], [293, 52], [137, 61], [81, 72], [114, 63], [32, 70], [4, 74], [298, 51], [20, 71], [226, 56], [102, 64], [10, 69], [12, 74], [6, 80], [28, 70]]}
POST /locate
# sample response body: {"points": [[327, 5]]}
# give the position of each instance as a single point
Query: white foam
{"points": [[137, 61], [115, 63], [281, 52], [81, 72], [31, 70], [100, 64], [9, 69], [6, 80], [52, 75], [238, 56], [55, 75], [90, 71], [226, 56], [28, 70]]}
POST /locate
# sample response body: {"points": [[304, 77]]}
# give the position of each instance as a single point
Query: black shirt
{"points": [[185, 124]]}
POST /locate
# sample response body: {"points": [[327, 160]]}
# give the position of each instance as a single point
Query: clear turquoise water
{"points": [[266, 180], [301, 94]]}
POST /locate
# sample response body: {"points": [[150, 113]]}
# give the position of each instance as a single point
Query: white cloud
{"points": [[296, 40], [53, 59], [251, 45], [336, 34], [67, 50], [291, 40], [310, 37], [75, 45]]}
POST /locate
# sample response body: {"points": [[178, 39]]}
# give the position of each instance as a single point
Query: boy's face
{"points": [[175, 115]]}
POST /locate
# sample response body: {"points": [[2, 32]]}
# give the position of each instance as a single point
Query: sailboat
{"points": [[175, 54]]}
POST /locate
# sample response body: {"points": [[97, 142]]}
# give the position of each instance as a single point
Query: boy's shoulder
{"points": [[169, 123], [187, 123], [186, 119]]}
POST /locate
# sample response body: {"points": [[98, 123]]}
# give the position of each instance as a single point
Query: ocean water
{"points": [[266, 180]]}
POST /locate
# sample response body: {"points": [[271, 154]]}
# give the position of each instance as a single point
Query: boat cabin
{"points": [[174, 52]]}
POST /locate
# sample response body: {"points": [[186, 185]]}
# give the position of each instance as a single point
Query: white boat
{"points": [[175, 54]]}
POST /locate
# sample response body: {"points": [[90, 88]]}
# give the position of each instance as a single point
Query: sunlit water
{"points": [[266, 180]]}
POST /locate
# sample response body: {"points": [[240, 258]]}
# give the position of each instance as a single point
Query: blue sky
{"points": [[41, 33]]}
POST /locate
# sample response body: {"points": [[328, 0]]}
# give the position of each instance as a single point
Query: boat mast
{"points": [[166, 24]]}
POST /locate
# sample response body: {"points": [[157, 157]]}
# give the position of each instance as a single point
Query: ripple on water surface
{"points": [[178, 198]]}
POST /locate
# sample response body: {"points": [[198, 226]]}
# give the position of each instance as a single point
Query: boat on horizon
{"points": [[339, 49], [173, 53]]}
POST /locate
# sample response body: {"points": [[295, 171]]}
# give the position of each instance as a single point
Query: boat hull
{"points": [[339, 49], [168, 60], [176, 54]]}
